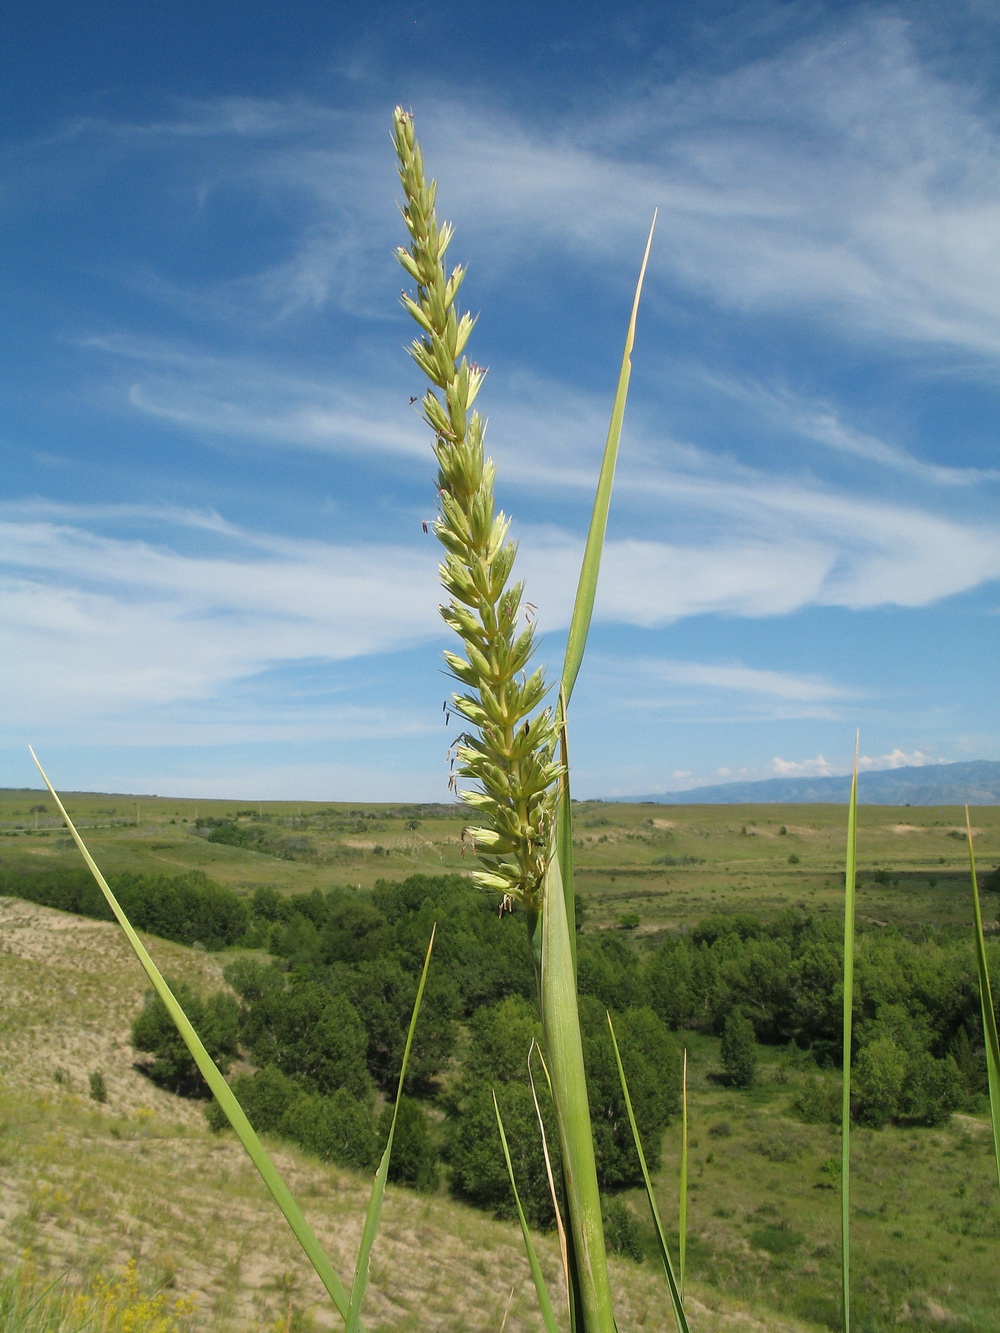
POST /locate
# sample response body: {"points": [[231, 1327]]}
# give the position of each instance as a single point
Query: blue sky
{"points": [[213, 573]]}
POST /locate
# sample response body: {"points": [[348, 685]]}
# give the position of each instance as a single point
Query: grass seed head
{"points": [[510, 754]]}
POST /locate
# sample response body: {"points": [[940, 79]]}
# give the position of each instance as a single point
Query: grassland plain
{"points": [[88, 1183], [672, 865]]}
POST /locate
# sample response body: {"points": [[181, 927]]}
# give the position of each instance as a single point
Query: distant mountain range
{"points": [[976, 783]]}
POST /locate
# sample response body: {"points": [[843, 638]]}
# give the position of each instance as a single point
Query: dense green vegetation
{"points": [[325, 994], [189, 908]]}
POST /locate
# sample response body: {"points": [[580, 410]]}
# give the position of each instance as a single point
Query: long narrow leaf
{"points": [[676, 1299], [564, 828], [549, 1173], [986, 1000], [587, 587], [586, 591], [850, 878], [223, 1093], [544, 1304], [374, 1214], [682, 1236]]}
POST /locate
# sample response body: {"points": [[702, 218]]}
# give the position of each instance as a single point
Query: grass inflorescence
{"points": [[509, 755]]}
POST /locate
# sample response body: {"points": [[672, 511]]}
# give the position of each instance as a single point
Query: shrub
{"points": [[337, 1129], [739, 1050], [216, 1020], [652, 1063], [414, 1153], [932, 1090], [877, 1086], [818, 1102], [623, 1231], [478, 1173]]}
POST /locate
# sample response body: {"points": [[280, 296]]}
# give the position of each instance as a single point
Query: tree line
{"points": [[324, 1018]]}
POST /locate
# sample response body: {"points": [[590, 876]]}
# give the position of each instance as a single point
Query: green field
{"points": [[672, 865]]}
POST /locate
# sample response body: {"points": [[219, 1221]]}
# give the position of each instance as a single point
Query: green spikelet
{"points": [[509, 753]]}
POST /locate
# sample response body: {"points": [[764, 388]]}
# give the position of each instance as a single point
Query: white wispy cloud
{"points": [[823, 422], [820, 767], [842, 178], [771, 552], [251, 398], [660, 686], [111, 625], [736, 539], [897, 758]]}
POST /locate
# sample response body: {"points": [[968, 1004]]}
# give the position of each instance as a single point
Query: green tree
{"points": [[216, 1021], [652, 1064], [877, 1082], [414, 1158], [739, 1050], [478, 1171]]}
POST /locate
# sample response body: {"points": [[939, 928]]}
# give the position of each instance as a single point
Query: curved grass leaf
{"points": [[583, 607], [280, 1192], [850, 884], [676, 1299], [374, 1214], [541, 1290], [986, 1000]]}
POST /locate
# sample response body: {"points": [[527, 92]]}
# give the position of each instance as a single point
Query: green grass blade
{"points": [[850, 879], [986, 1000], [220, 1088], [374, 1214], [22, 1315], [542, 1291], [676, 1299], [682, 1231], [549, 1173], [587, 588], [586, 591]]}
